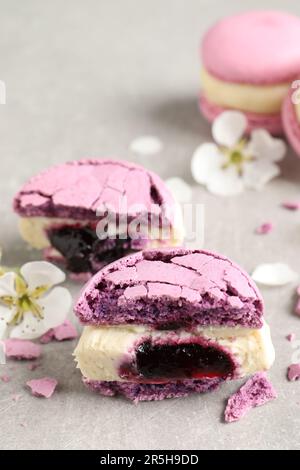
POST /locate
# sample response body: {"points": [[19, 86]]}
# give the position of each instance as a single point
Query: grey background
{"points": [[83, 79]]}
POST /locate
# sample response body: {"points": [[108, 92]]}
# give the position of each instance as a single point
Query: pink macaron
{"points": [[291, 119], [248, 63]]}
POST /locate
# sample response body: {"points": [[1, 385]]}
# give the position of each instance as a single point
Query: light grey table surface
{"points": [[83, 79]]}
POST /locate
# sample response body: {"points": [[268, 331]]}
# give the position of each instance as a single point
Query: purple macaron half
{"points": [[165, 323], [86, 213], [169, 288]]}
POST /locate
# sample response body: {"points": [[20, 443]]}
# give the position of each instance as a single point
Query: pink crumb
{"points": [[16, 396], [82, 277], [65, 331], [265, 228], [291, 337], [47, 337], [293, 372], [33, 366], [257, 391], [21, 349], [62, 332], [43, 387], [291, 205], [5, 378]]}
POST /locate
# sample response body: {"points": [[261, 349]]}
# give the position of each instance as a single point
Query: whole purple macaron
{"points": [[88, 213], [167, 322]]}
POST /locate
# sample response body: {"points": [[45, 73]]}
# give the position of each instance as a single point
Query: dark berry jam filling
{"points": [[83, 250], [158, 363]]}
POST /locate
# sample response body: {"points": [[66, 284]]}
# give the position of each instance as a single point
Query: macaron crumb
{"points": [[291, 337], [257, 391], [5, 378], [264, 228], [33, 366], [291, 205], [43, 387], [293, 373], [16, 397], [21, 349], [60, 333]]}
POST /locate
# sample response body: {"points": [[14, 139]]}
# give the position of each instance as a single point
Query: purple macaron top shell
{"points": [[171, 288], [77, 189], [256, 47]]}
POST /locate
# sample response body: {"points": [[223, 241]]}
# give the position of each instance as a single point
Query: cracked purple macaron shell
{"points": [[148, 392], [171, 288], [76, 189]]}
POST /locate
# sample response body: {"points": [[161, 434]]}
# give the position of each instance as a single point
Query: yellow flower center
{"points": [[24, 301]]}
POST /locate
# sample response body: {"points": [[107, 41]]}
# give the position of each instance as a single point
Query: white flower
{"points": [[28, 305], [236, 163]]}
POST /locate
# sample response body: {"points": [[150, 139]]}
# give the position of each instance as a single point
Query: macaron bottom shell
{"points": [[271, 122]]}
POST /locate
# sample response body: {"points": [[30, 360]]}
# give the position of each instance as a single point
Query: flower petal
{"points": [[181, 191], [263, 146], [257, 173], [146, 145], [225, 182], [30, 328], [206, 160], [274, 274], [264, 228], [229, 127], [40, 273], [22, 349], [7, 284], [56, 305], [6, 314]]}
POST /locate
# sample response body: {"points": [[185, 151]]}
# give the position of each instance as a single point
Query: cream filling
{"points": [[101, 350], [261, 99], [34, 231]]}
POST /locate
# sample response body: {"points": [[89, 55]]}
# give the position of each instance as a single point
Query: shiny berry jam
{"points": [[83, 250], [162, 362]]}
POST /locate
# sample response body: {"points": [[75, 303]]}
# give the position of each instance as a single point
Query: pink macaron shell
{"points": [[271, 122], [77, 189], [291, 124], [256, 47]]}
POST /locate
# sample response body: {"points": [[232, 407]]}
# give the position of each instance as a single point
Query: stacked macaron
{"points": [[169, 322], [248, 64]]}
